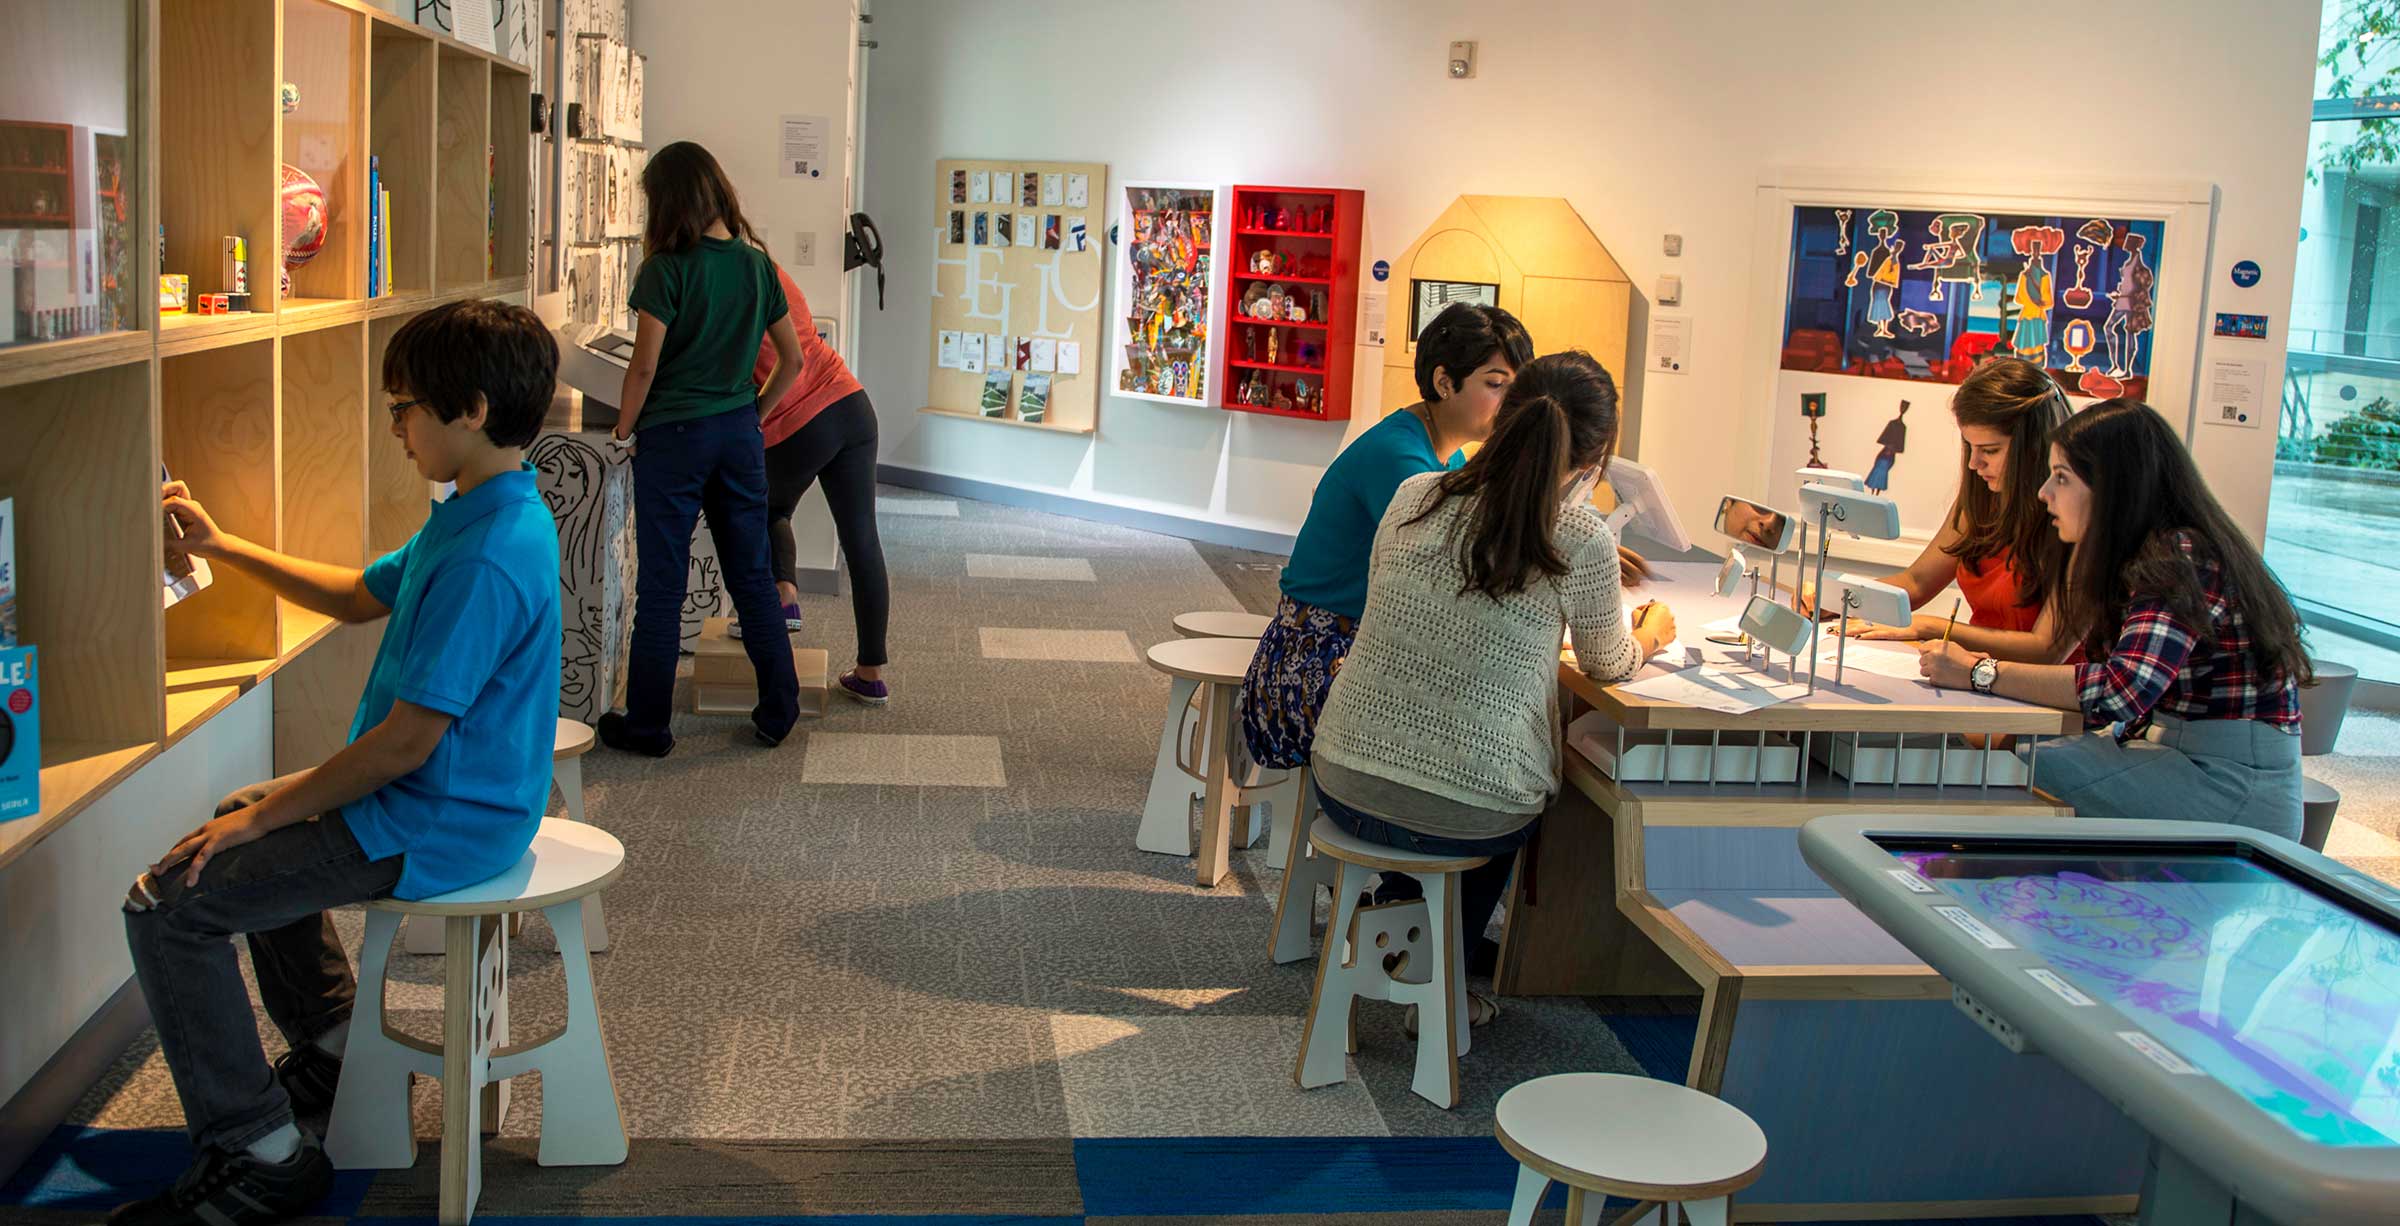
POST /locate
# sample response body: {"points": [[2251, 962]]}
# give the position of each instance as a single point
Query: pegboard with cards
{"points": [[1016, 293]]}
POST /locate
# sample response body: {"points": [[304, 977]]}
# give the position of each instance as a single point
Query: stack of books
{"points": [[379, 227]]}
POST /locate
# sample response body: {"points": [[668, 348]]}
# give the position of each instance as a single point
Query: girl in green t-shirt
{"points": [[705, 297]]}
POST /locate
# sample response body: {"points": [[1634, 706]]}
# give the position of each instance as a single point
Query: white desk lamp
{"points": [[1870, 601], [1860, 514]]}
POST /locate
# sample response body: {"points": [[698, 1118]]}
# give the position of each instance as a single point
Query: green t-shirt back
{"points": [[717, 300]]}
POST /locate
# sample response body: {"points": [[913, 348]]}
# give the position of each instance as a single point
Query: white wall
{"points": [[69, 61], [724, 74], [60, 902], [1650, 117]]}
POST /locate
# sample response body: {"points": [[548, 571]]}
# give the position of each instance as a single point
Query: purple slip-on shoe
{"points": [[872, 693]]}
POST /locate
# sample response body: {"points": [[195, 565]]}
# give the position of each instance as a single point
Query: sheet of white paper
{"points": [[1029, 233], [950, 351], [979, 190], [1079, 191], [1045, 354], [996, 354], [1053, 189], [1070, 353], [970, 353], [1878, 658], [803, 142], [1710, 688]]}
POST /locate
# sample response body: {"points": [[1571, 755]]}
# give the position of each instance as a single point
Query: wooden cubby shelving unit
{"points": [[275, 417]]}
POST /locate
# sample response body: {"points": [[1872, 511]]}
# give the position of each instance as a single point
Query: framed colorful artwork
{"points": [[1168, 281], [1884, 290]]}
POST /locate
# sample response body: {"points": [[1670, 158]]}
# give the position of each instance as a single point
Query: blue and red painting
{"points": [[1923, 295]]}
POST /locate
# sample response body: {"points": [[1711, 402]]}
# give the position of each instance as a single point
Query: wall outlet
{"points": [[804, 249]]}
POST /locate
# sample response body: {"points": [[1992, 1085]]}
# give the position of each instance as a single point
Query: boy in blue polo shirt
{"points": [[442, 785]]}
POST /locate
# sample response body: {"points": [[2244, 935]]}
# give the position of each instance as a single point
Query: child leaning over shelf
{"points": [[442, 785], [705, 296]]}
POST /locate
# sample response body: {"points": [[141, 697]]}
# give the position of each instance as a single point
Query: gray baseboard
{"points": [[1187, 527], [28, 1119]]}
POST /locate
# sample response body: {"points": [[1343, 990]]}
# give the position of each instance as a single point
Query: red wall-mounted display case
{"points": [[1297, 247]]}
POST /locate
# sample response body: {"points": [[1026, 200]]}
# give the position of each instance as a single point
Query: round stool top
{"points": [[1215, 625], [1345, 846], [574, 740], [2318, 792], [1631, 1136], [1221, 661], [567, 860]]}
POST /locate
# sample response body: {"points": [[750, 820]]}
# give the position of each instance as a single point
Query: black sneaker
{"points": [[309, 1075], [615, 735], [223, 1189]]}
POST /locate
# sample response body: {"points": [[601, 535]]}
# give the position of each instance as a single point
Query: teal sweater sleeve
{"points": [[1329, 558]]}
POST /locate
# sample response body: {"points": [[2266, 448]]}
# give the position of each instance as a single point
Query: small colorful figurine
{"points": [[1272, 357]]}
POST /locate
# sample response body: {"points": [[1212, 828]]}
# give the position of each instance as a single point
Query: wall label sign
{"points": [[2246, 274], [1383, 270]]}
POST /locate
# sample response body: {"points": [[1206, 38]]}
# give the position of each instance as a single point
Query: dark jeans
{"points": [[1480, 889], [837, 446], [275, 892], [717, 465]]}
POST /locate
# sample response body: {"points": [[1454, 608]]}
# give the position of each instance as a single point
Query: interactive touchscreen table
{"points": [[2235, 994]]}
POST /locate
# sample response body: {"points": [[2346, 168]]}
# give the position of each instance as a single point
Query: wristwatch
{"points": [[1985, 672]]}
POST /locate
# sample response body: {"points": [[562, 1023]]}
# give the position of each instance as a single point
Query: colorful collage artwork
{"points": [[1922, 295], [1167, 307]]}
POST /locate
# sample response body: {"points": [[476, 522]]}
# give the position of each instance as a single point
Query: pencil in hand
{"points": [[1953, 623]]}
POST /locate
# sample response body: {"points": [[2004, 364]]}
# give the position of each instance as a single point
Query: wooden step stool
{"points": [[723, 683]]}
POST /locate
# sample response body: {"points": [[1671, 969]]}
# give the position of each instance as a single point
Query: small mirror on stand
{"points": [[1756, 524], [1858, 513], [1866, 600]]}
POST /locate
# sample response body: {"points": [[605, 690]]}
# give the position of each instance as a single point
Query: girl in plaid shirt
{"points": [[2192, 650]]}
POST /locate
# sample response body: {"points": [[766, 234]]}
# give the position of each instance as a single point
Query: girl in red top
{"points": [[824, 429], [1998, 539]]}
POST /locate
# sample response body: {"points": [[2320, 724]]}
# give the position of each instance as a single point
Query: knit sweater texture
{"points": [[1457, 695]]}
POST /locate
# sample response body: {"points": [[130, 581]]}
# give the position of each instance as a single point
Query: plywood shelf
{"points": [[1044, 427], [22, 364], [274, 416], [79, 775]]}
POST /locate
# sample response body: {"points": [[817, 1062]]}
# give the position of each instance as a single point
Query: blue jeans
{"points": [[2238, 771], [718, 465], [1480, 889], [274, 891]]}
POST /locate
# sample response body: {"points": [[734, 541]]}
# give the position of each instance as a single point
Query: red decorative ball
{"points": [[303, 222]]}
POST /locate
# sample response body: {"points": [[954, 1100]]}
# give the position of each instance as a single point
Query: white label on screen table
{"points": [[2158, 1053], [1982, 932], [1909, 880], [2052, 980]]}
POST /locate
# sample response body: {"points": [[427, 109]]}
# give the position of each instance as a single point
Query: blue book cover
{"points": [[20, 735], [374, 228]]}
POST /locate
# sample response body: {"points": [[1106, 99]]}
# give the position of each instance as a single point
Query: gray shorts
{"points": [[2238, 771]]}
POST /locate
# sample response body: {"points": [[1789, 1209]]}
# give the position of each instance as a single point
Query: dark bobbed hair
{"points": [[2021, 400], [447, 356], [1465, 336], [1561, 412], [2145, 493], [688, 191]]}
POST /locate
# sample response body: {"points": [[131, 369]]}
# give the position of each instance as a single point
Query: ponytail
{"points": [[1560, 412]]}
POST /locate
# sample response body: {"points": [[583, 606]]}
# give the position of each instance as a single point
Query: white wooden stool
{"points": [[573, 740], [1430, 973], [1206, 672], [1604, 1134], [581, 1123], [1304, 870], [1219, 625]]}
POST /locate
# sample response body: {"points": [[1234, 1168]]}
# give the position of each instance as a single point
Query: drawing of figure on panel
{"points": [[2129, 309], [1956, 253], [1889, 445], [2035, 291], [1883, 282]]}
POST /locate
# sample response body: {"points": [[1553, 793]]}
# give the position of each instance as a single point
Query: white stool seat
{"points": [[1209, 661], [1631, 1136], [582, 1124], [567, 861], [1220, 625], [575, 739], [1343, 845]]}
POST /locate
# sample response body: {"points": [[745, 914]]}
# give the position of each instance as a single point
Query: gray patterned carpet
{"points": [[918, 939]]}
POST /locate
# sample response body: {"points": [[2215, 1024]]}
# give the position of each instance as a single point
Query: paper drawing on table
{"points": [[1710, 688]]}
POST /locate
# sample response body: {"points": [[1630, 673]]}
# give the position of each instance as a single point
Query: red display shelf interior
{"points": [[1284, 234], [1277, 323], [24, 218], [1289, 370], [1277, 276], [36, 170], [1272, 411]]}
